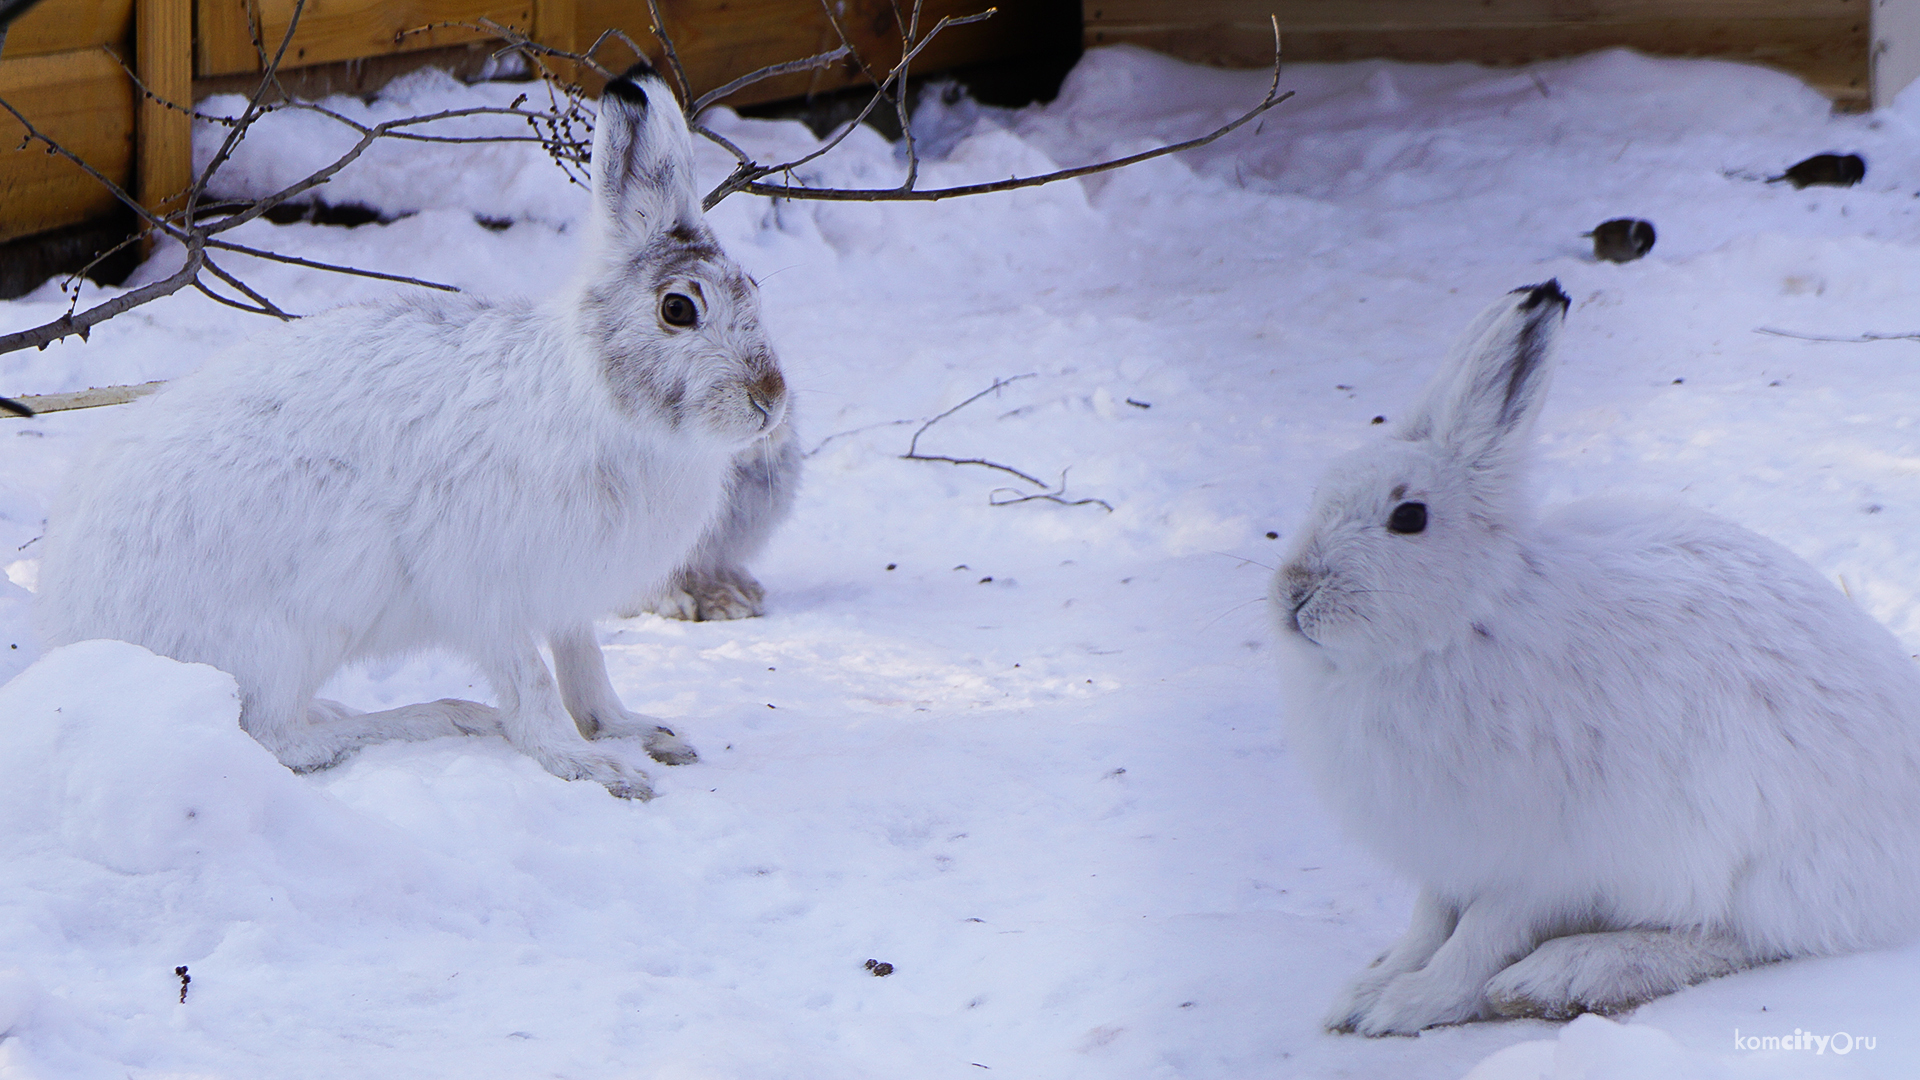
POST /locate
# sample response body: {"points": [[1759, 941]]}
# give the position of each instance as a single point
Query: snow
{"points": [[1030, 755]]}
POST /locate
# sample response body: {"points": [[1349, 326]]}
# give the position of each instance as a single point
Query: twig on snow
{"points": [[1856, 340], [1045, 494], [1010, 496]]}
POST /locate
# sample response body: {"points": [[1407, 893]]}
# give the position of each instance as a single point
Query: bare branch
{"points": [[913, 447], [1058, 495], [659, 30], [70, 324], [196, 237], [354, 271], [134, 77], [745, 178], [269, 79], [1012, 183], [818, 60], [855, 431], [900, 95], [1857, 340], [998, 496], [1035, 481], [266, 306]]}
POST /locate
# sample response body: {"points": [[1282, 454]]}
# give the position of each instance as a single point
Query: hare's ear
{"points": [[643, 181], [1482, 403]]}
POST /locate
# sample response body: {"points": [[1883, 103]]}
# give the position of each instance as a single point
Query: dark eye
{"points": [[678, 310], [1408, 517]]}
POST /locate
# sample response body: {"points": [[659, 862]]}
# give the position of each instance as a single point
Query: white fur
{"points": [[714, 583], [440, 471], [1622, 747]]}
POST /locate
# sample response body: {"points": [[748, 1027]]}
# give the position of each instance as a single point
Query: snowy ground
{"points": [[1029, 755]]}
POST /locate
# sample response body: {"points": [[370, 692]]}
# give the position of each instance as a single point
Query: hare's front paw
{"points": [[662, 744], [667, 748], [602, 762], [1415, 1001], [1353, 1004]]}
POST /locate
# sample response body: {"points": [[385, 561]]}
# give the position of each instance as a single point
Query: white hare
{"points": [[442, 471], [1621, 747]]}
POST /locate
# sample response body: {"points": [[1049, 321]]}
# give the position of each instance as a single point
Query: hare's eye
{"points": [[678, 310], [1408, 517]]}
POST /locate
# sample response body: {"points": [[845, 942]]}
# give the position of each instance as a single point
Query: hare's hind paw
{"points": [[1609, 972], [726, 593], [711, 594]]}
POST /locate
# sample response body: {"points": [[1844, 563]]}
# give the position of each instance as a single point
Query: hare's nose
{"points": [[768, 388]]}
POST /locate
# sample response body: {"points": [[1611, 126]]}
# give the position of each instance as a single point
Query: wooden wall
{"points": [[59, 67], [57, 72], [1825, 42]]}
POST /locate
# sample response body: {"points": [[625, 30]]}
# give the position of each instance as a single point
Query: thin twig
{"points": [[1010, 184], [354, 271], [198, 237], [267, 306], [913, 446], [1057, 495], [900, 96], [83, 323], [1860, 339], [853, 432], [1054, 495], [818, 60], [659, 30], [746, 178]]}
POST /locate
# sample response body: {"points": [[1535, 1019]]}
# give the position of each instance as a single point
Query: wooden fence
{"points": [[1828, 43], [62, 67], [62, 64]]}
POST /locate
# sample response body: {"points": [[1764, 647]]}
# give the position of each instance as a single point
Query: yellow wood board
{"points": [[720, 40], [332, 30], [1825, 42], [55, 26], [85, 101]]}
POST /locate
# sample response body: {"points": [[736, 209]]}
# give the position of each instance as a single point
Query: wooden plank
{"points": [[85, 101], [66, 25], [88, 399], [1386, 15], [557, 23], [332, 30], [164, 61], [720, 40], [1827, 43]]}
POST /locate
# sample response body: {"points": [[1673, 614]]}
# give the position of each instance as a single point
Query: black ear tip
{"points": [[626, 86], [18, 408], [1543, 293]]}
